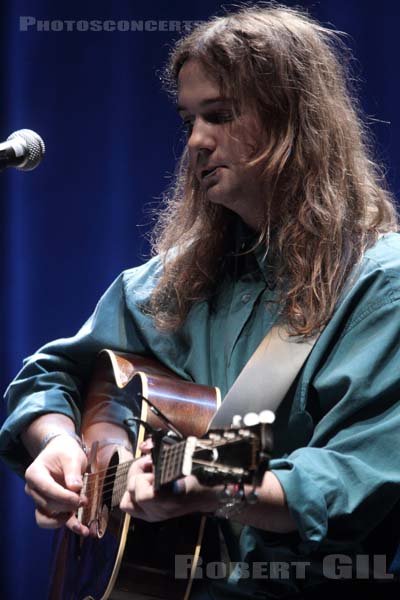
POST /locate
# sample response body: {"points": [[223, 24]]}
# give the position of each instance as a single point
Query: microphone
{"points": [[23, 149]]}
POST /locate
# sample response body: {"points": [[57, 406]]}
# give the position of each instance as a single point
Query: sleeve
{"points": [[347, 480], [53, 378]]}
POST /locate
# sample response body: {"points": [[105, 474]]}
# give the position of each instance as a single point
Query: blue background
{"points": [[112, 136]]}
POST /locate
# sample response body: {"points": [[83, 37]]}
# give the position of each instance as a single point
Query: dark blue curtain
{"points": [[112, 137]]}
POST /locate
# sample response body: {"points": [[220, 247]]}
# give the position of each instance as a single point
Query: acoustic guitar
{"points": [[126, 558]]}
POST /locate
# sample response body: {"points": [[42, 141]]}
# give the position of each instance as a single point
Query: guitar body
{"points": [[134, 560], [129, 558]]}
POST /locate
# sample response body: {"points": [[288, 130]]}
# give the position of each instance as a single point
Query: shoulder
{"points": [[374, 286], [378, 274], [384, 256], [140, 281], [364, 329]]}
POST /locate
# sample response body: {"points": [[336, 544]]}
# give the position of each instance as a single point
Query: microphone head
{"points": [[34, 145]]}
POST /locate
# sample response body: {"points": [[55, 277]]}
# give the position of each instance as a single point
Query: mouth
{"points": [[208, 173]]}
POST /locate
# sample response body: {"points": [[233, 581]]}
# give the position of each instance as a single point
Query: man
{"points": [[278, 215]]}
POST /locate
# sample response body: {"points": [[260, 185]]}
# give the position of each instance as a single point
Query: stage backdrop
{"points": [[112, 137]]}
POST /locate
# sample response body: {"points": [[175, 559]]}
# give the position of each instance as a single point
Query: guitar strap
{"points": [[267, 376]]}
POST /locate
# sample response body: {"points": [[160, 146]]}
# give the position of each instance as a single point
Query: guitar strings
{"points": [[115, 477], [94, 478], [172, 456], [109, 472], [174, 450], [116, 472], [114, 489]]}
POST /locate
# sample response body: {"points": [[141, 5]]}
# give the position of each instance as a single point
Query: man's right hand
{"points": [[54, 482], [54, 478]]}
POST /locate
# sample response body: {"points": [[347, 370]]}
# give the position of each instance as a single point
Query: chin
{"points": [[216, 195]]}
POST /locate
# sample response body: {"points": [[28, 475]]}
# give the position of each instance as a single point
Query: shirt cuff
{"points": [[305, 501], [12, 450]]}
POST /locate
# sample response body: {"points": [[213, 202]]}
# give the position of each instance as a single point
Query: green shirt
{"points": [[337, 433]]}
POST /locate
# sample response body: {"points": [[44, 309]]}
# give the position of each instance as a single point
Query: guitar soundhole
{"points": [[107, 495]]}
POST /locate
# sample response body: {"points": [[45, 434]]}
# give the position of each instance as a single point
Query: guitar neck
{"points": [[120, 482], [174, 462], [225, 457]]}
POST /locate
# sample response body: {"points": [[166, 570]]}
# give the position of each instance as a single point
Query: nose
{"points": [[201, 137]]}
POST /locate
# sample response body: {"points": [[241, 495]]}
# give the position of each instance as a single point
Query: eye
{"points": [[215, 117], [187, 126], [219, 116]]}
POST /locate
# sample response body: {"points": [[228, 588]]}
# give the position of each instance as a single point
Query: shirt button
{"points": [[246, 298]]}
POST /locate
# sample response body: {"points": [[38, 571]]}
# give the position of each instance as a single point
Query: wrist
{"points": [[233, 499], [203, 496], [50, 435], [39, 427]]}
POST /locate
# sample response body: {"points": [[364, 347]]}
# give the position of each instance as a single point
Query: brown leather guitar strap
{"points": [[267, 376]]}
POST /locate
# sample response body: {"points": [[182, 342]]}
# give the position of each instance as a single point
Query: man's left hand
{"points": [[142, 502]]}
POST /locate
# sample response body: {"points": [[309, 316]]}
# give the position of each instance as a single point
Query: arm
{"points": [[270, 512], [46, 397], [52, 380], [345, 482]]}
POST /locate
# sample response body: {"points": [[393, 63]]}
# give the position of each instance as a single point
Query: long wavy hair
{"points": [[332, 201]]}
